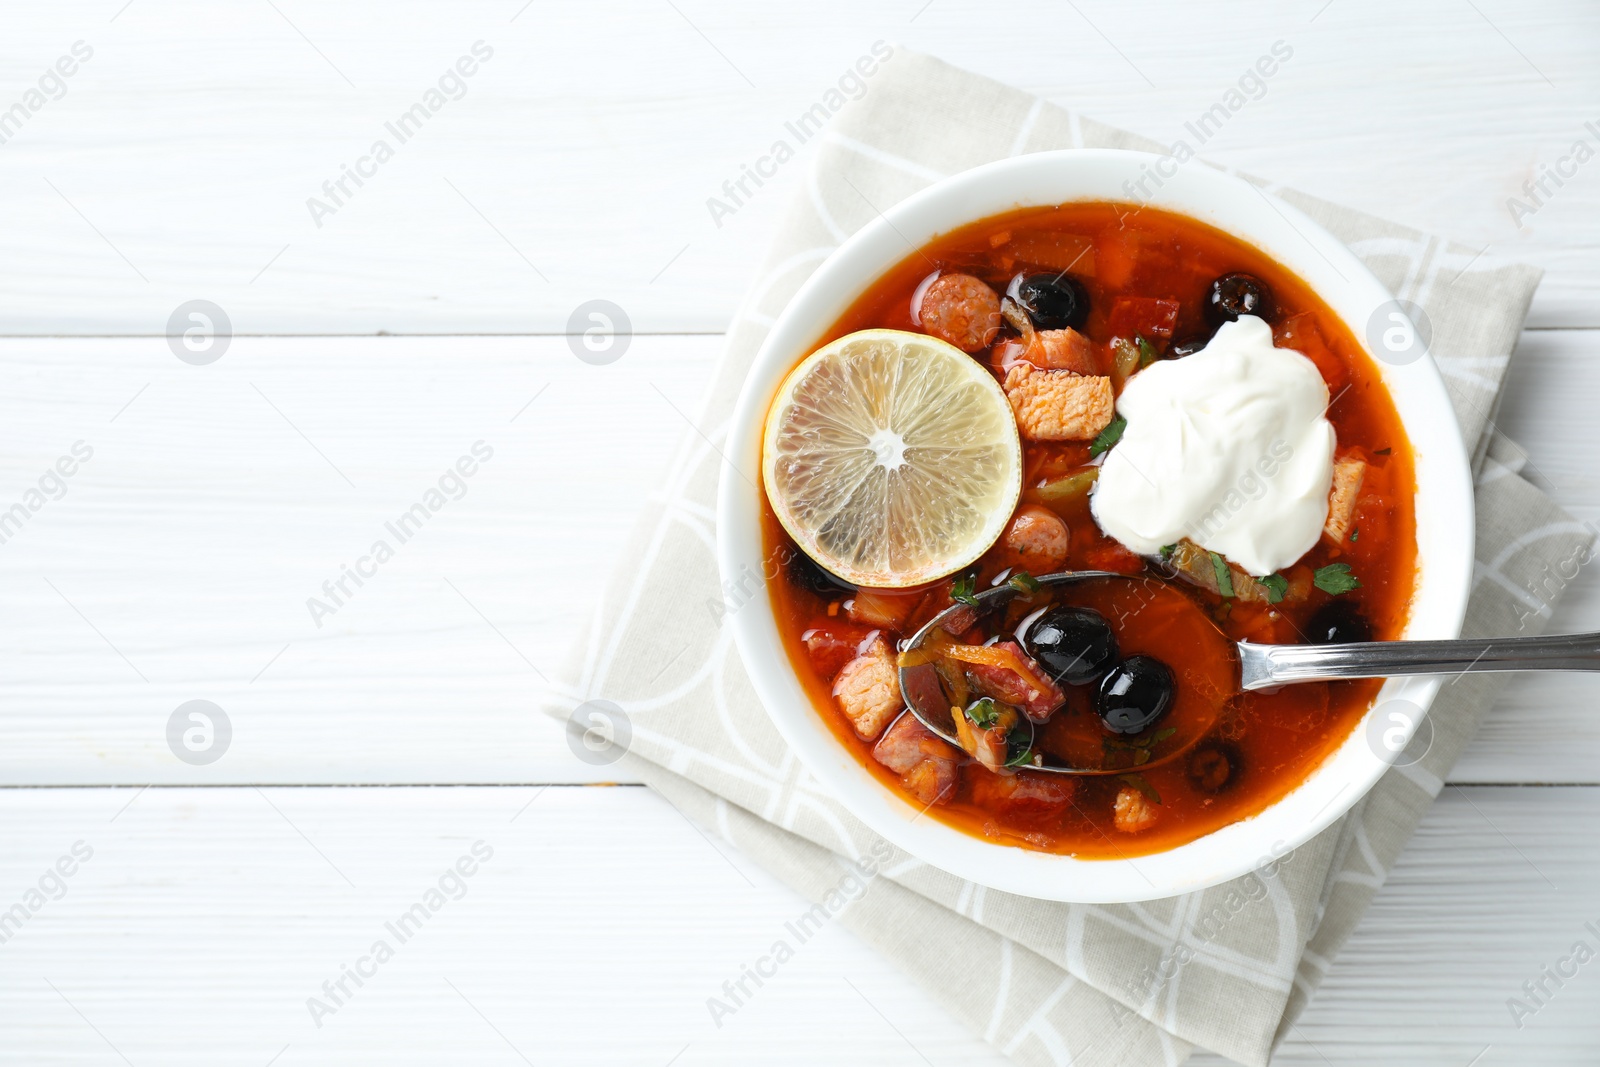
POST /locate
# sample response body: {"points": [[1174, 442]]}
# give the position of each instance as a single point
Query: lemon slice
{"points": [[892, 458]]}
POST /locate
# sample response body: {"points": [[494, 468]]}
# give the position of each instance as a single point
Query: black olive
{"points": [[1074, 644], [1214, 768], [1187, 347], [1233, 295], [1336, 623], [1053, 301], [1134, 694], [810, 575]]}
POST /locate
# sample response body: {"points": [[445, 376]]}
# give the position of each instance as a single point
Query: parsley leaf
{"points": [[1335, 578], [1023, 582], [1025, 756], [1354, 534], [1167, 551], [1224, 575], [1147, 352], [1108, 436], [1276, 586], [1138, 782], [983, 712], [962, 590]]}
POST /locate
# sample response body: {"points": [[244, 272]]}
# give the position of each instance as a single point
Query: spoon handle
{"points": [[1265, 666]]}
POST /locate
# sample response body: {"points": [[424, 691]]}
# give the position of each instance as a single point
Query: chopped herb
{"points": [[1383, 452], [1224, 575], [1355, 532], [1108, 436], [1023, 582], [1276, 586], [1147, 352], [962, 590], [1138, 782], [1335, 578], [1167, 551], [1020, 758], [1141, 757], [983, 712]]}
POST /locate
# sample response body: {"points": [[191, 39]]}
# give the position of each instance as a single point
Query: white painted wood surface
{"points": [[206, 918], [591, 140], [577, 165]]}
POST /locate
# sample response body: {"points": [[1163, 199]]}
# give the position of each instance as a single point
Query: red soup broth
{"points": [[1277, 739]]}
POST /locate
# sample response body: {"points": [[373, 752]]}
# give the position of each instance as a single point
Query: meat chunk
{"points": [[1036, 541], [1133, 811], [1062, 350], [832, 644], [1010, 687], [868, 689], [962, 310], [1023, 796], [926, 765], [1348, 474], [1058, 405], [987, 745]]}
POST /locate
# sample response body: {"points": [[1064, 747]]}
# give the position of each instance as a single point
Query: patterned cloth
{"points": [[1227, 969]]}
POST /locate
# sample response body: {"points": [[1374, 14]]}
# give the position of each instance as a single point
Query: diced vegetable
{"points": [[1070, 489], [1124, 360], [877, 607]]}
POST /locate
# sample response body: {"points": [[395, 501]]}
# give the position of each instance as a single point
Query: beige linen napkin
{"points": [[1227, 969]]}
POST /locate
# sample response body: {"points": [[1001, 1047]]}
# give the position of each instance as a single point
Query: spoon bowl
{"points": [[1074, 742]]}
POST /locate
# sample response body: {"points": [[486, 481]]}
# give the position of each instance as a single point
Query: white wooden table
{"points": [[427, 313]]}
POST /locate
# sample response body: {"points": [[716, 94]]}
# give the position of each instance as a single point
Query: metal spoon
{"points": [[1259, 666]]}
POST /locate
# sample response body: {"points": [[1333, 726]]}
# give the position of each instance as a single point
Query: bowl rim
{"points": [[1444, 518]]}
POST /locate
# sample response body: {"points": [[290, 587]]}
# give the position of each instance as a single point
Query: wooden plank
{"points": [[194, 537], [206, 918], [219, 499], [180, 161]]}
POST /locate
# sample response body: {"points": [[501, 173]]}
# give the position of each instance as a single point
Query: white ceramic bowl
{"points": [[1444, 511]]}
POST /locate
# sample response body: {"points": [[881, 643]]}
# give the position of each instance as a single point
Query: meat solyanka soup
{"points": [[1182, 409]]}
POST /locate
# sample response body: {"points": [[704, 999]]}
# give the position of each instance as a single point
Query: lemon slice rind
{"points": [[892, 458]]}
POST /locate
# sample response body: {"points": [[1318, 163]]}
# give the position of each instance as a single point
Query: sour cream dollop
{"points": [[1229, 447]]}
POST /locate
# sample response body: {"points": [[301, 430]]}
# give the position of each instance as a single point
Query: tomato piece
{"points": [[1149, 317], [1108, 555]]}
